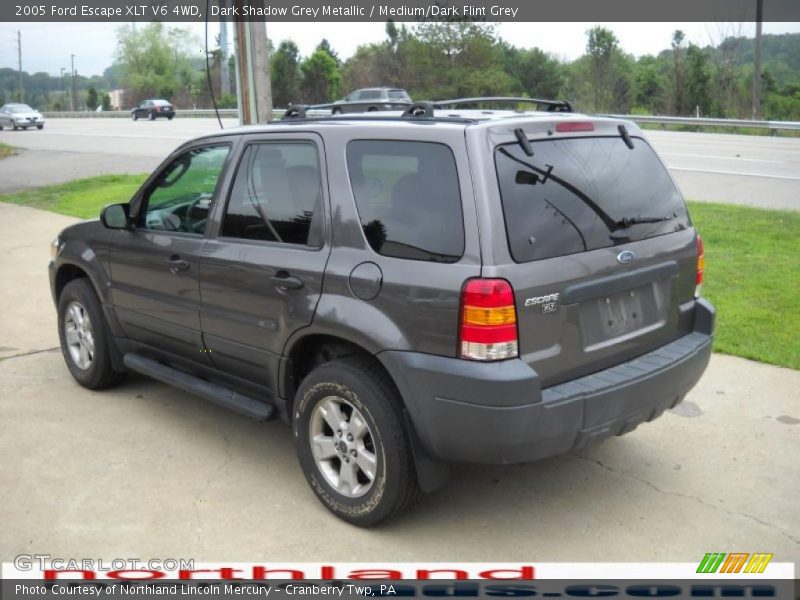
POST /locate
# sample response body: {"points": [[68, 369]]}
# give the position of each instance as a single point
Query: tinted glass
{"points": [[181, 197], [277, 195], [581, 194], [398, 95], [408, 198], [371, 95]]}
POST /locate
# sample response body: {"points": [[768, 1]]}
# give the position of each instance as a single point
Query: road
{"points": [[755, 170], [147, 471]]}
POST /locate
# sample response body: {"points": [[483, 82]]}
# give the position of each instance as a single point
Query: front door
{"points": [[261, 276], [154, 265]]}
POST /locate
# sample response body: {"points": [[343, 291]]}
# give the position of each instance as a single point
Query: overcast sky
{"points": [[48, 46]]}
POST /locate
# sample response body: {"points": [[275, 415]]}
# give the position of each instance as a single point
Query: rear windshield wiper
{"points": [[626, 222]]}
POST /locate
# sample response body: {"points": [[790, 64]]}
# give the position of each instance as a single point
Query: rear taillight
{"points": [[701, 265], [488, 329]]}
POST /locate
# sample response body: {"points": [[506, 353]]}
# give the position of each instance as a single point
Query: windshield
{"points": [[20, 108], [580, 194]]}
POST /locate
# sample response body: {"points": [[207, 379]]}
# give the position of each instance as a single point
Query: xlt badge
{"points": [[548, 302]]}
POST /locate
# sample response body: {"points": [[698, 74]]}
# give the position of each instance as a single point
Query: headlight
{"points": [[54, 247]]}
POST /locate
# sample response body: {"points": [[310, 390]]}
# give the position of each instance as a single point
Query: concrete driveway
{"points": [[146, 471]]}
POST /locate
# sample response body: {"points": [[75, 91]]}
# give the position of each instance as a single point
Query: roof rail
{"points": [[419, 109], [552, 105], [298, 111]]}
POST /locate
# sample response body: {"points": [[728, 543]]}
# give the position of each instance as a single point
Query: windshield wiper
{"points": [[626, 222]]}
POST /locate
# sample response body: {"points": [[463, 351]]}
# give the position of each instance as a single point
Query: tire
{"points": [[372, 109], [16, 128], [336, 111], [134, 116], [366, 400], [170, 118], [151, 116], [77, 303], [40, 127]]}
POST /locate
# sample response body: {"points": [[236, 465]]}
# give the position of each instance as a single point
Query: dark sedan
{"points": [[152, 110]]}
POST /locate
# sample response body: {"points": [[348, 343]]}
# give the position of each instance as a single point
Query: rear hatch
{"points": [[603, 253]]}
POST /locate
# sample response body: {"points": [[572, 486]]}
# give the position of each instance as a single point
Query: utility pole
{"points": [[253, 86], [224, 71], [19, 57], [62, 86], [73, 94], [757, 61]]}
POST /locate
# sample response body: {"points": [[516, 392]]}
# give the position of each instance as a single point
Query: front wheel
{"points": [[40, 127], [84, 336], [352, 443], [134, 116], [151, 115]]}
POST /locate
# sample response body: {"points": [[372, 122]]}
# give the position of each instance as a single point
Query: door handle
{"points": [[176, 264], [282, 279]]}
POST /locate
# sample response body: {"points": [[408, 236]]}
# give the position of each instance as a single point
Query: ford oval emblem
{"points": [[625, 257]]}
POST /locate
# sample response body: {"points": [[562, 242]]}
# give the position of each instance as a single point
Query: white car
{"points": [[20, 116]]}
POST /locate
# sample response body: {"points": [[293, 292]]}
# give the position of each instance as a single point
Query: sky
{"points": [[48, 46]]}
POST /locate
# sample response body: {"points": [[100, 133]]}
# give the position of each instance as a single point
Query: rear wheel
{"points": [[372, 109], [151, 115], [134, 116], [352, 443], [84, 337], [169, 118], [336, 111], [40, 127]]}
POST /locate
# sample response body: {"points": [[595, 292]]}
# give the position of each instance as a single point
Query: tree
{"points": [[106, 102], [698, 80], [607, 70], [678, 76], [325, 46], [285, 65], [91, 99], [535, 73], [321, 78], [155, 62]]}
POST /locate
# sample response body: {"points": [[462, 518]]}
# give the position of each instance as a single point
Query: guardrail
{"points": [[232, 113], [772, 126]]}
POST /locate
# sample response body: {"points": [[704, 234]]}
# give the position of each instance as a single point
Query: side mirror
{"points": [[115, 216]]}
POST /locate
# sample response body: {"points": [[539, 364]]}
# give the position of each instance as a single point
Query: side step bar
{"points": [[200, 387]]}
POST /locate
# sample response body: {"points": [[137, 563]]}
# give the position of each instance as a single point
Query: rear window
{"points": [[580, 194], [398, 95], [408, 198]]}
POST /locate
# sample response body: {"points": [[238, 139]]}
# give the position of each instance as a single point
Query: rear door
{"points": [[261, 275], [601, 251]]}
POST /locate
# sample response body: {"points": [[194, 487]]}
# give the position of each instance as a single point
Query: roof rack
{"points": [[298, 111], [419, 109], [552, 105]]}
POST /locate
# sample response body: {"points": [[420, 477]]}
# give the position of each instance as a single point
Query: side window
{"points": [[408, 198], [354, 97], [277, 195], [372, 95], [181, 197]]}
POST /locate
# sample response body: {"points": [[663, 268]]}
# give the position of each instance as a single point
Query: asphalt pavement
{"points": [[147, 471], [740, 169]]}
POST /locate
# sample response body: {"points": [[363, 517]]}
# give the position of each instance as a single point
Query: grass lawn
{"points": [[752, 263], [753, 277], [6, 150], [81, 198]]}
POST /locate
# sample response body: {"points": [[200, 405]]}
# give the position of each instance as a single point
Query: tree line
{"points": [[438, 60]]}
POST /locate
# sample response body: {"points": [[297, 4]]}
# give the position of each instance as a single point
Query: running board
{"points": [[200, 387]]}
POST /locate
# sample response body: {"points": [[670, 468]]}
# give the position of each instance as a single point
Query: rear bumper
{"points": [[498, 413]]}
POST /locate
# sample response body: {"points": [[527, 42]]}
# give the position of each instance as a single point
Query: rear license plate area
{"points": [[616, 315]]}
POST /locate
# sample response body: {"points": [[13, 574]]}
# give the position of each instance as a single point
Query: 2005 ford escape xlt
{"points": [[404, 290]]}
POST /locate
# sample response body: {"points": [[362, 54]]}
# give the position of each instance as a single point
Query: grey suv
{"points": [[405, 290]]}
